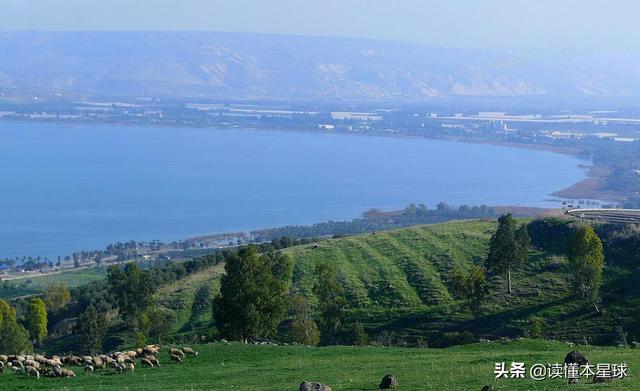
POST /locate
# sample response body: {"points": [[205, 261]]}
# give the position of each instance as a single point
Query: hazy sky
{"points": [[584, 24]]}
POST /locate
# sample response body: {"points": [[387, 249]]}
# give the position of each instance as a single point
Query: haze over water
{"points": [[80, 187]]}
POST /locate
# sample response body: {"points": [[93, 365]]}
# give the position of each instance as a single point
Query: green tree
{"points": [[332, 303], [305, 332], [355, 335], [14, 339], [304, 329], [91, 329], [252, 299], [470, 286], [586, 257], [132, 289], [56, 296], [508, 248], [160, 322], [36, 319]]}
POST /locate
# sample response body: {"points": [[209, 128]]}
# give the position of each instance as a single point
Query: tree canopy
{"points": [[91, 328], [508, 248], [14, 338], [36, 319], [332, 302], [132, 289], [470, 286], [252, 299], [56, 296], [586, 257]]}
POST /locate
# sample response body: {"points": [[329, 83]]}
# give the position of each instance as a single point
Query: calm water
{"points": [[68, 188]]}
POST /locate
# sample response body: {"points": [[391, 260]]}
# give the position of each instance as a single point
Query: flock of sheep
{"points": [[118, 362]]}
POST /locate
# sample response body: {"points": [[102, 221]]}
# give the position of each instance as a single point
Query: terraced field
{"points": [[398, 282], [401, 268]]}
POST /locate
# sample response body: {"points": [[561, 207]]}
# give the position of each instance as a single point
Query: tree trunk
{"points": [[509, 279]]}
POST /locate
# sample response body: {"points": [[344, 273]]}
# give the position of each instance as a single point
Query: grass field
{"points": [[34, 285], [280, 368]]}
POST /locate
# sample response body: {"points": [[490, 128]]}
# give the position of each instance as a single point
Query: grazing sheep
{"points": [[189, 352], [31, 363], [98, 363], [16, 370], [4, 359], [119, 368], [176, 358], [176, 352], [67, 373], [130, 367], [153, 360], [1, 367], [40, 359], [88, 369], [31, 371], [151, 349], [74, 361], [146, 363]]}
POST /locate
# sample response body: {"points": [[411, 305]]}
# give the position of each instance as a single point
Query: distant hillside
{"points": [[261, 66]]}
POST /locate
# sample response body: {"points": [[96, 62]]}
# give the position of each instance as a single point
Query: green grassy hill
{"points": [[398, 281], [397, 284], [236, 366]]}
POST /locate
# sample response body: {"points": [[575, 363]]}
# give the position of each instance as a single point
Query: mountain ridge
{"points": [[217, 65]]}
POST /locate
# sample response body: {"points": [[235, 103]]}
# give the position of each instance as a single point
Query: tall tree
{"points": [[56, 296], [331, 300], [304, 329], [91, 328], [509, 247], [14, 339], [252, 299], [586, 257], [36, 319], [132, 289]]}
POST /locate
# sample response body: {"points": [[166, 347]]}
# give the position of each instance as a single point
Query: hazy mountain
{"points": [[260, 66]]}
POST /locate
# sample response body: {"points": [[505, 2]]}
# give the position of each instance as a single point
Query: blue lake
{"points": [[67, 188]]}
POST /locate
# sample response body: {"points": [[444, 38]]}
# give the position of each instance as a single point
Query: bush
{"points": [[458, 338], [550, 234], [355, 335], [305, 332], [530, 328]]}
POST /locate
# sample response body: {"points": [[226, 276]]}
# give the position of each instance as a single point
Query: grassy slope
{"points": [[179, 297], [398, 280], [272, 368], [35, 285]]}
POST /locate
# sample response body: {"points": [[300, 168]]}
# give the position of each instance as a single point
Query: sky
{"points": [[492, 24]]}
